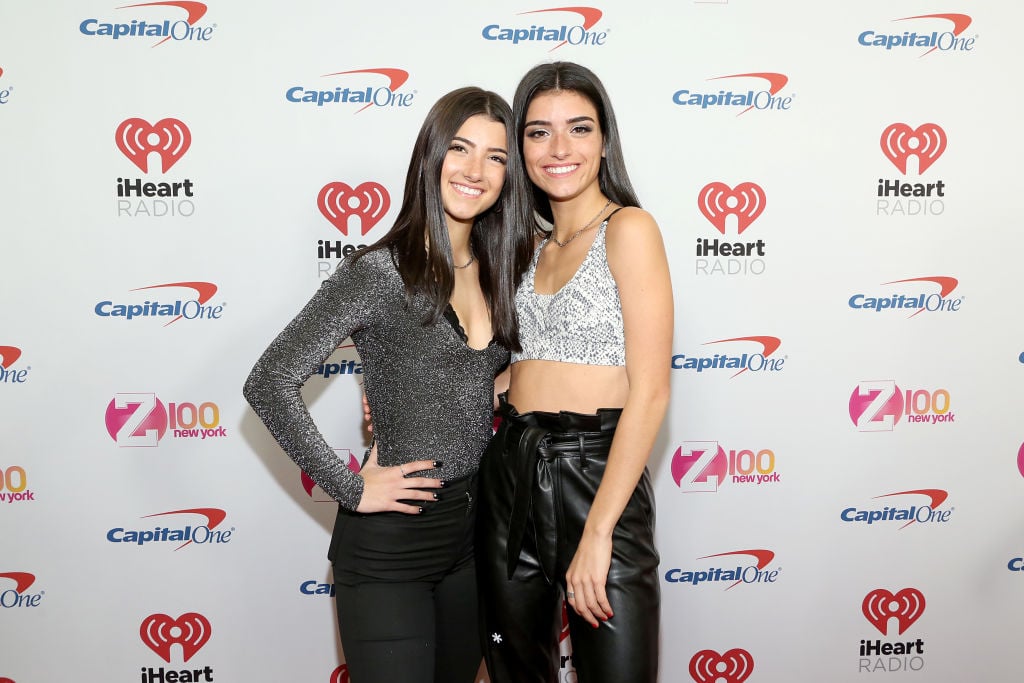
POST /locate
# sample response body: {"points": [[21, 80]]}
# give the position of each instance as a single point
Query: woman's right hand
{"points": [[384, 487]]}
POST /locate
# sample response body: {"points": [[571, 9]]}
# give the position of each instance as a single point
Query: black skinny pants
{"points": [[406, 591], [538, 479]]}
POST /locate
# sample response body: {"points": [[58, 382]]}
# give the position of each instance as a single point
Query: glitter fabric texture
{"points": [[581, 322], [431, 395]]}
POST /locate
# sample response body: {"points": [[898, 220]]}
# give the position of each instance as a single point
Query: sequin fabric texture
{"points": [[431, 395], [581, 322]]}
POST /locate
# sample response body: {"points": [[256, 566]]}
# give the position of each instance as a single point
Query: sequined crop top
{"points": [[431, 395], [581, 322]]}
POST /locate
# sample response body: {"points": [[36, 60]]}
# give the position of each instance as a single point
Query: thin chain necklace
{"points": [[467, 264], [579, 232]]}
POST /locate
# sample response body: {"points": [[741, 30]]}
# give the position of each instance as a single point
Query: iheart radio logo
{"points": [[136, 138], [340, 675], [880, 605], [927, 141], [717, 201], [338, 201], [9, 354], [159, 632], [735, 666]]}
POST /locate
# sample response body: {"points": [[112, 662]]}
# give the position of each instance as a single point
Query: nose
{"points": [[559, 146], [473, 169]]}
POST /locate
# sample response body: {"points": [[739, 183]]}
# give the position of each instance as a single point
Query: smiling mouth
{"points": [[561, 170], [468, 191]]}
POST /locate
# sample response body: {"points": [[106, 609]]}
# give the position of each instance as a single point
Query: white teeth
{"points": [[468, 190], [559, 170]]}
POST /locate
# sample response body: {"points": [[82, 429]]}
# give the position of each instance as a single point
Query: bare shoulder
{"points": [[633, 231]]}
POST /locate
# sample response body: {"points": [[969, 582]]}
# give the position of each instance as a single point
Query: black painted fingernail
{"points": [[419, 509], [442, 484], [438, 463], [437, 497]]}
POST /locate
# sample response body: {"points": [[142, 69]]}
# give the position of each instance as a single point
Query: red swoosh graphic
{"points": [[763, 558], [205, 290], [9, 354], [214, 516], [770, 344], [396, 78], [195, 11], [960, 23], [946, 285], [22, 580], [591, 15], [776, 82], [937, 497]]}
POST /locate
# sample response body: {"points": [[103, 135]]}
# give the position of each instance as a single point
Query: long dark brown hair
{"points": [[500, 238], [572, 77]]}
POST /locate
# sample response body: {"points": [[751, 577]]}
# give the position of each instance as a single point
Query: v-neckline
{"points": [[452, 316]]}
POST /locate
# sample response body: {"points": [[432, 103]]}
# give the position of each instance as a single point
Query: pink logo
{"points": [[22, 580], [735, 666], [191, 631], [138, 419], [1020, 460], [880, 605], [713, 458], [927, 142], [307, 481], [338, 201], [136, 138], [8, 355], [717, 201], [876, 406]]}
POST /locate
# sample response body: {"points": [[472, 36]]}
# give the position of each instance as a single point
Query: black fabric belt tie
{"points": [[537, 440]]}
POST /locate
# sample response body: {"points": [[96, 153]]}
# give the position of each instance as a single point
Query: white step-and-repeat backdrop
{"points": [[839, 480]]}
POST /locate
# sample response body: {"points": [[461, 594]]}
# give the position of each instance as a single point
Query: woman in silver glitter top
{"points": [[430, 309], [566, 504]]}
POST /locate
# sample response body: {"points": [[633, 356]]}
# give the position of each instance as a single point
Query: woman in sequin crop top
{"points": [[430, 309], [566, 503]]}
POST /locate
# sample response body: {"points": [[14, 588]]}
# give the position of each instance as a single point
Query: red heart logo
{"points": [[899, 141], [735, 666], [717, 201], [170, 138], [337, 201], [159, 632], [879, 605]]}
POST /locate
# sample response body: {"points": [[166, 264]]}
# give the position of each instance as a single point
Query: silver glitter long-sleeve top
{"points": [[431, 395]]}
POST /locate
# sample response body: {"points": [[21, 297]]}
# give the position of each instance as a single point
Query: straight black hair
{"points": [[500, 238]]}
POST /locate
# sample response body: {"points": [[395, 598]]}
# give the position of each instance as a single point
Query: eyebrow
{"points": [[473, 145], [575, 119]]}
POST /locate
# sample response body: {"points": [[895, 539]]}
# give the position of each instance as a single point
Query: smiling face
{"points": [[562, 144], [473, 171]]}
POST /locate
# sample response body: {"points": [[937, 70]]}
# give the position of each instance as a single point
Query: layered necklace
{"points": [[576, 234]]}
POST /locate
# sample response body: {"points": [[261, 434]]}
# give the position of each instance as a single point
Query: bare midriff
{"points": [[552, 386]]}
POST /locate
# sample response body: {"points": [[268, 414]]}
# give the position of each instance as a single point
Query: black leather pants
{"points": [[538, 479]]}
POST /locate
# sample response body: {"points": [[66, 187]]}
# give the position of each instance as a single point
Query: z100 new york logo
{"points": [[878, 406], [702, 466], [137, 420]]}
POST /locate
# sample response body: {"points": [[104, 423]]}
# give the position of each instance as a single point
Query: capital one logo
{"points": [[19, 595], [340, 675], [8, 357], [899, 142], [577, 35], [190, 631], [338, 202], [733, 666], [906, 606], [745, 202], [168, 138]]}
